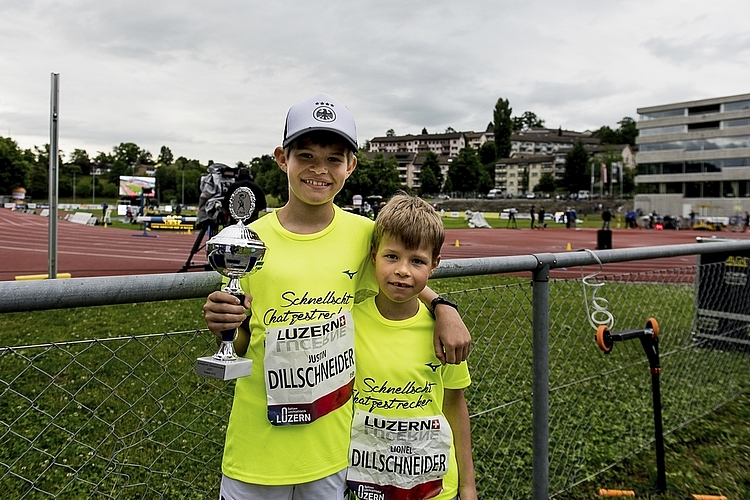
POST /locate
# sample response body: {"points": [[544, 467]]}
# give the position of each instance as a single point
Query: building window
{"points": [[648, 169], [740, 141], [675, 129], [662, 114], [730, 189], [692, 189], [648, 188], [712, 189], [741, 122], [672, 168], [673, 187], [704, 110], [736, 106], [703, 126], [693, 167]]}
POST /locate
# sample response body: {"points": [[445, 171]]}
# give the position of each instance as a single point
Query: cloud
{"points": [[705, 49], [214, 80]]}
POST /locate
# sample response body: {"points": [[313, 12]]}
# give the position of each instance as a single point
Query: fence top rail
{"points": [[494, 265], [23, 296]]}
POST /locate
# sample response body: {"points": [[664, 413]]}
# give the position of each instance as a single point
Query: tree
{"points": [[486, 179], [450, 130], [13, 165], [524, 182], [432, 162], [102, 159], [424, 130], [628, 130], [488, 154], [68, 179], [428, 184], [81, 158], [270, 177], [132, 155], [119, 167], [378, 176], [526, 121], [464, 171], [503, 128], [625, 133], [165, 156], [546, 183], [576, 161], [390, 133], [606, 135], [628, 180]]}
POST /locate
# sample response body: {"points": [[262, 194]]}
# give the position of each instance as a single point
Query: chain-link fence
{"points": [[128, 418]]}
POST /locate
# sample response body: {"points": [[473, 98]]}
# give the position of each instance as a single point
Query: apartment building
{"points": [[694, 156], [440, 144], [513, 175], [535, 151]]}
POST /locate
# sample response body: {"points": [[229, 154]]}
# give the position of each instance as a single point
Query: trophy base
{"points": [[223, 370]]}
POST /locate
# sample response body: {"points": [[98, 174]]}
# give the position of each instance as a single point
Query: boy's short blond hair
{"points": [[412, 221]]}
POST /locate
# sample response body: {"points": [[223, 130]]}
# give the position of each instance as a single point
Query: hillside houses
{"points": [[534, 152]]}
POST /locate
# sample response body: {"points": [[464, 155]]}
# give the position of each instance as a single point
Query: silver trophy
{"points": [[234, 252]]}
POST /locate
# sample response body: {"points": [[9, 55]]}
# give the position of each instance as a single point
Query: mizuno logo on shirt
{"points": [[350, 273]]}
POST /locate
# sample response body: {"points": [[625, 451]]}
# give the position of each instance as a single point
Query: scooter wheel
{"points": [[652, 324], [604, 339]]}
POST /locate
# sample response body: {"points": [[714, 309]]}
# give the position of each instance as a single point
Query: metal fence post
{"points": [[540, 382]]}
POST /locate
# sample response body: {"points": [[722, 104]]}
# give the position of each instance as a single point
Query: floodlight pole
{"points": [[53, 176]]}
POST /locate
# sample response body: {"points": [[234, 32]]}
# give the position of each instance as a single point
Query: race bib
{"points": [[398, 458], [309, 369]]}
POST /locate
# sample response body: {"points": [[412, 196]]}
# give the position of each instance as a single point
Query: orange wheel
{"points": [[651, 323], [603, 340]]}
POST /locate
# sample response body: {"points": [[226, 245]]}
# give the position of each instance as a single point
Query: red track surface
{"points": [[97, 251]]}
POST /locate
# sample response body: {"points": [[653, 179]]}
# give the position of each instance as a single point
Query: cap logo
{"points": [[324, 112]]}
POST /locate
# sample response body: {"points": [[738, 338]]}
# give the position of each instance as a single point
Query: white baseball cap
{"points": [[320, 112]]}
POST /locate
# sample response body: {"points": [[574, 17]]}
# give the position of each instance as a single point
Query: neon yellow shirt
{"points": [[303, 278], [398, 377]]}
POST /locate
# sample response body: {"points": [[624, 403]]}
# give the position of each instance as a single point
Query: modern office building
{"points": [[694, 157]]}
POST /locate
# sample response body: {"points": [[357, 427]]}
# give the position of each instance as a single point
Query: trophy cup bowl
{"points": [[235, 252]]}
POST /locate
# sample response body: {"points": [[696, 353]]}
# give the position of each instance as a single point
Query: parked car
{"points": [[494, 193], [584, 194]]}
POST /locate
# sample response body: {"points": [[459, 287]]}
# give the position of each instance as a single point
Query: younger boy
{"points": [[410, 432], [288, 432]]}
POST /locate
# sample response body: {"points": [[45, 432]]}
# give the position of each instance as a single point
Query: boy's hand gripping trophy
{"points": [[234, 252]]}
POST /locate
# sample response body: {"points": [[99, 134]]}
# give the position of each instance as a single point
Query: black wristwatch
{"points": [[441, 300]]}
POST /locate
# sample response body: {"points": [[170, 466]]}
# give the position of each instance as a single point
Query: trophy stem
{"points": [[226, 351]]}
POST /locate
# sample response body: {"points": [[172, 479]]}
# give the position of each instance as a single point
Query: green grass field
{"points": [[128, 417]]}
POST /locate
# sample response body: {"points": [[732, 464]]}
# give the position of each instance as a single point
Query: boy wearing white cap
{"points": [[288, 433]]}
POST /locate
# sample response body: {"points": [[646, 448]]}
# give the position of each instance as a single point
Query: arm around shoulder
{"points": [[452, 339]]}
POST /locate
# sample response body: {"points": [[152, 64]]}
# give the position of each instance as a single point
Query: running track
{"points": [[85, 251]]}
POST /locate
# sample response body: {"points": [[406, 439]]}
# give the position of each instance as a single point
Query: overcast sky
{"points": [[213, 80]]}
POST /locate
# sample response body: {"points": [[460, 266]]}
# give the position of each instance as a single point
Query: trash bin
{"points": [[604, 239]]}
